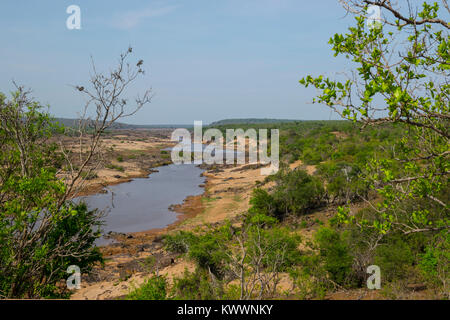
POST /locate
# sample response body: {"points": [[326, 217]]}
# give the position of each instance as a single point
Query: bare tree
{"points": [[105, 105], [257, 259], [37, 229]]}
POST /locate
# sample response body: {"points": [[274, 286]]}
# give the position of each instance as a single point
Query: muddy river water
{"points": [[143, 203]]}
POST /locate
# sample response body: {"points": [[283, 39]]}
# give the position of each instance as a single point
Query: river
{"points": [[143, 203]]}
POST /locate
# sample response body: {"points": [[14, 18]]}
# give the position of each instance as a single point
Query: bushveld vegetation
{"points": [[42, 229], [337, 256], [384, 171]]}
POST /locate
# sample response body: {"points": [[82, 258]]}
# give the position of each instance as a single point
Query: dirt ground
{"points": [[127, 154], [227, 193], [134, 257]]}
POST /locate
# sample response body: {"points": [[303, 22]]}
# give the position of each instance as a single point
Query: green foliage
{"points": [[38, 272], [197, 285], [263, 203], [179, 242], [295, 193], [435, 262], [257, 249], [410, 89], [311, 278], [154, 288], [335, 255], [395, 258], [265, 236], [406, 163], [261, 220], [205, 249], [208, 252], [41, 233], [343, 181]]}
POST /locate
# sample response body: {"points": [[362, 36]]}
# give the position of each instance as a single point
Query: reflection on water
{"points": [[142, 204]]}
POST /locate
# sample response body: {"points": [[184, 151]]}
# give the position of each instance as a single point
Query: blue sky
{"points": [[205, 59]]}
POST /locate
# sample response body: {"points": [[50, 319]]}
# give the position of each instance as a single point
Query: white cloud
{"points": [[131, 19]]}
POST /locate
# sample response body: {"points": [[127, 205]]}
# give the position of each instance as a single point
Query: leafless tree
{"points": [[256, 261], [31, 263], [105, 105]]}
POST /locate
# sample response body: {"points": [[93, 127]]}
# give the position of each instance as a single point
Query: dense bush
{"points": [[179, 242], [205, 249], [395, 258], [434, 263], [262, 202], [154, 288], [343, 182], [40, 273], [295, 193], [335, 254], [197, 285], [311, 278], [41, 232], [209, 252]]}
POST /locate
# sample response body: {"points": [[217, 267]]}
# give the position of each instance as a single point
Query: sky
{"points": [[204, 59]]}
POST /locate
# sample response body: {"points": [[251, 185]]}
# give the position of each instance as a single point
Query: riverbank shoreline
{"points": [[227, 191], [126, 155], [225, 197]]}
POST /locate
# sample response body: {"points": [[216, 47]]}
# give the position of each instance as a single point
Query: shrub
{"points": [[435, 262], [335, 255], [207, 252], [297, 192], [154, 288], [394, 258], [280, 246], [343, 181], [179, 242], [39, 273], [196, 285], [311, 278], [262, 202]]}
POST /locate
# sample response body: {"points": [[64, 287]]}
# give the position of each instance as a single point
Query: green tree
{"points": [[406, 85], [335, 254], [42, 230], [40, 236], [297, 192]]}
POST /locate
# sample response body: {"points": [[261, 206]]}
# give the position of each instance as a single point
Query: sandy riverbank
{"points": [[126, 155], [227, 193]]}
